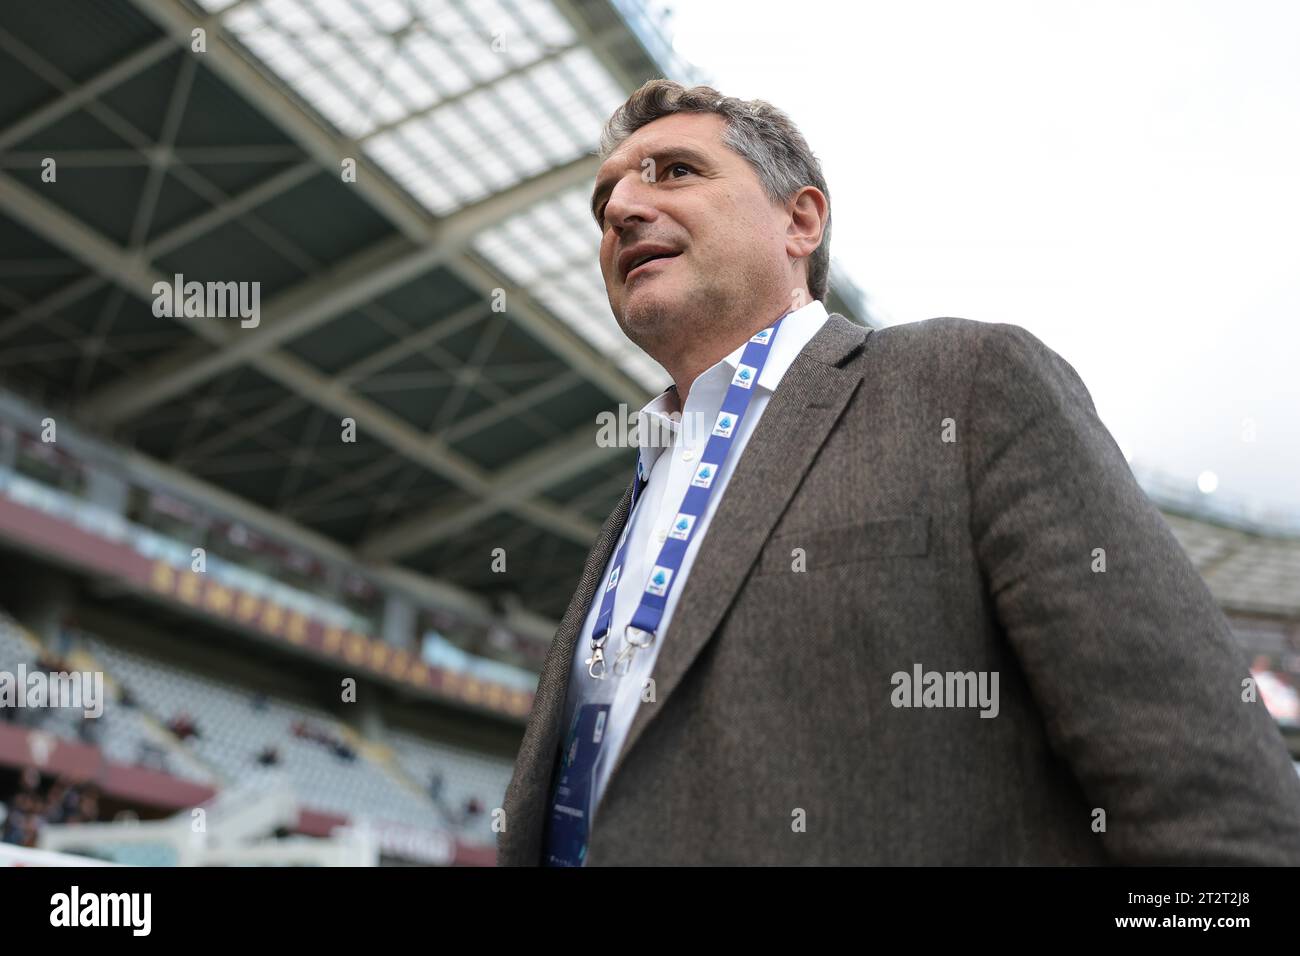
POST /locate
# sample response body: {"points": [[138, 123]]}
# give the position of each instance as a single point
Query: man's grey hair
{"points": [[756, 130]]}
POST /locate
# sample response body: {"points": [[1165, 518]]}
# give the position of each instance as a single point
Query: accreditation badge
{"points": [[573, 800]]}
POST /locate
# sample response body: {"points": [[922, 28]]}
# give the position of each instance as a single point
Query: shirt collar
{"points": [[659, 415], [798, 328]]}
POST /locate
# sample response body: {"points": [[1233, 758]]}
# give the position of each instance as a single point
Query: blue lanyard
{"points": [[645, 621]]}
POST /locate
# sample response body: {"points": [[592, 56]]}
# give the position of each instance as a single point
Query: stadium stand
{"points": [[326, 766]]}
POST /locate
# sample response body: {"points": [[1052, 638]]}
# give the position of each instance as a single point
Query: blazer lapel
{"points": [[810, 399], [529, 790], [800, 414]]}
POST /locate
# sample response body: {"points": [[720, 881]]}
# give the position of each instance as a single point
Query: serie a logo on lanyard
{"points": [[640, 633]]}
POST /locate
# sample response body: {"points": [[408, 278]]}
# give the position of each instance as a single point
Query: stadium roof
{"points": [[1246, 571], [473, 129]]}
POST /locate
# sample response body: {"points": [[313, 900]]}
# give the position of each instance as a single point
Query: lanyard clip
{"points": [[637, 637], [634, 639], [624, 659], [597, 658]]}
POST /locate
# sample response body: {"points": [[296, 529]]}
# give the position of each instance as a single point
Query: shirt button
{"points": [[688, 455], [661, 536]]}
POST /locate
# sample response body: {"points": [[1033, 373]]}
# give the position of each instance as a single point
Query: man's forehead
{"points": [[702, 131]]}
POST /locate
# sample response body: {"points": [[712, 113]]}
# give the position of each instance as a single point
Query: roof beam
{"points": [[311, 502], [83, 93], [188, 155], [598, 42], [160, 245], [362, 278], [549, 466], [130, 270], [326, 147], [389, 355], [419, 447], [609, 33], [446, 237], [557, 335], [136, 275]]}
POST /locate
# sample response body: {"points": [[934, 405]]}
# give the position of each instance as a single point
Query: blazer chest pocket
{"points": [[901, 535]]}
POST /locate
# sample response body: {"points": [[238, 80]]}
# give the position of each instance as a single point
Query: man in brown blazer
{"points": [[929, 617]]}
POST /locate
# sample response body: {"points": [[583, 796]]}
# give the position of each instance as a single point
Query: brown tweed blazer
{"points": [[950, 494]]}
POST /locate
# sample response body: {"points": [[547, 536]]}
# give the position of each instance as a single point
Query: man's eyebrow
{"points": [[687, 153]]}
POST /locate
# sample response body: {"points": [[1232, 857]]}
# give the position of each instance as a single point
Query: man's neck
{"points": [[707, 356]]}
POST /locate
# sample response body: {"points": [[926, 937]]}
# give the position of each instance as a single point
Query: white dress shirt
{"points": [[670, 470]]}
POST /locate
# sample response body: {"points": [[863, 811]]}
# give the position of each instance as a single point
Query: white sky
{"points": [[1120, 178]]}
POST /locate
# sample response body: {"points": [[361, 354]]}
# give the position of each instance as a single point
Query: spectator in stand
{"points": [[71, 806], [13, 827], [54, 807], [90, 730], [29, 783], [343, 751], [152, 756], [32, 717], [71, 803], [25, 812], [90, 804], [306, 731], [183, 726], [32, 831]]}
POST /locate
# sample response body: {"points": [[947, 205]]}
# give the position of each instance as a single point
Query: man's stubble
{"points": [[662, 327]]}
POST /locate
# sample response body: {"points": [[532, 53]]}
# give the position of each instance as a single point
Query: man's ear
{"points": [[808, 211]]}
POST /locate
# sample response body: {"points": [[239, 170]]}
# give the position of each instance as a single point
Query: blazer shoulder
{"points": [[958, 343], [947, 329], [933, 355]]}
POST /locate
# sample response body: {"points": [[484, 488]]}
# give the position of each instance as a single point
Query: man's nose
{"points": [[630, 199]]}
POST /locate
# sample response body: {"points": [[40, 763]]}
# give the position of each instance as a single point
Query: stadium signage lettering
{"points": [[347, 647]]}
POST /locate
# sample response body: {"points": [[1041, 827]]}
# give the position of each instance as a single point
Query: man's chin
{"points": [[649, 314]]}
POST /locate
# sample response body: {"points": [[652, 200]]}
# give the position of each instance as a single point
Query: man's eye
{"points": [[600, 213]]}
